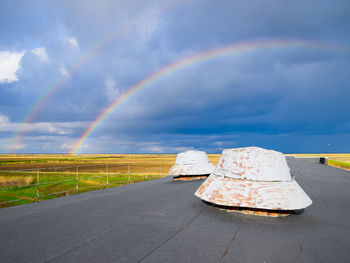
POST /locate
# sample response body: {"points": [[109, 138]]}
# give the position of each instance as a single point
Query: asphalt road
{"points": [[162, 221]]}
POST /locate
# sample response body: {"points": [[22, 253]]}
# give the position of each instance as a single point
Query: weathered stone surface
{"points": [[191, 163], [253, 177]]}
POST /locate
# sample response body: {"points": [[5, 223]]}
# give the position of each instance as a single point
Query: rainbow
{"points": [[79, 62], [191, 60]]}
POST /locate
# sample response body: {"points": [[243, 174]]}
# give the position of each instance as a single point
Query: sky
{"points": [[64, 62]]}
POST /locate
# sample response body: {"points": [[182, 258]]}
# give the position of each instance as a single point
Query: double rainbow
{"points": [[79, 63], [191, 60]]}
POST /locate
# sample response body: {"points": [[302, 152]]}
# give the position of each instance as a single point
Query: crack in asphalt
{"points": [[177, 232], [232, 240], [85, 243], [79, 246]]}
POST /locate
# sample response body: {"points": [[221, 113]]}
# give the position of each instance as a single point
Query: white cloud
{"points": [[71, 144], [41, 53], [154, 149], [111, 91], [148, 25], [4, 120], [17, 146], [9, 64], [64, 71], [67, 146], [182, 149], [73, 42], [59, 128], [6, 125]]}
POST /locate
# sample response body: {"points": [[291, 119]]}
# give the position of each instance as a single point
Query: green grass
{"points": [[57, 173], [339, 163], [54, 185]]}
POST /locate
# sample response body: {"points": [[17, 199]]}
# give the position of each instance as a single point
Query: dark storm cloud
{"points": [[228, 21], [270, 98]]}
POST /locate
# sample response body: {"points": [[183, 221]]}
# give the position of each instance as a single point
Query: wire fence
{"points": [[33, 185]]}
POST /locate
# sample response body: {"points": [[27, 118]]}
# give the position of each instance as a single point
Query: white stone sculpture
{"points": [[253, 177], [191, 165]]}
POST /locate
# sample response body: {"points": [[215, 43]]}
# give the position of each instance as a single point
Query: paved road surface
{"points": [[162, 221]]}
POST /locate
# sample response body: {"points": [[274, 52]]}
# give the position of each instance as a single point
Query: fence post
{"points": [[129, 171], [37, 185], [107, 173], [77, 186]]}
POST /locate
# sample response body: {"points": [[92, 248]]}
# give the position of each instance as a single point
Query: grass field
{"points": [[340, 160], [29, 178]]}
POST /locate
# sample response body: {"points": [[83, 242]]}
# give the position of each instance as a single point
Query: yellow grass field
{"points": [[340, 160], [39, 161], [32, 177], [146, 161]]}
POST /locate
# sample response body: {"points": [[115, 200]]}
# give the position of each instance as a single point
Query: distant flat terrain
{"points": [[340, 160], [27, 178], [162, 221]]}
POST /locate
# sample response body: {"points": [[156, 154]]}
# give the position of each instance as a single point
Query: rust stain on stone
{"points": [[189, 178], [222, 163], [253, 178]]}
